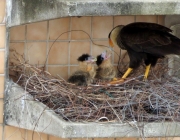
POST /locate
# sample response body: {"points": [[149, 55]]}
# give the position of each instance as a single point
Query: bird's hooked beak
{"points": [[111, 43], [105, 55]]}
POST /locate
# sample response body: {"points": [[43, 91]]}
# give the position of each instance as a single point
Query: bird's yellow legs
{"points": [[127, 73], [146, 72], [115, 81]]}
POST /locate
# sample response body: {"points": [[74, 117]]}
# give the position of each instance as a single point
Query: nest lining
{"points": [[155, 100]]}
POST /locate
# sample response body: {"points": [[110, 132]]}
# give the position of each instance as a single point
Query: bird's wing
{"points": [[144, 36], [145, 25]]}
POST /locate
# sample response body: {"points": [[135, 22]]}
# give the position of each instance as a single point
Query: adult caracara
{"points": [[144, 42]]}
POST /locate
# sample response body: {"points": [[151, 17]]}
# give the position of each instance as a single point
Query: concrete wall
{"points": [[36, 37]]}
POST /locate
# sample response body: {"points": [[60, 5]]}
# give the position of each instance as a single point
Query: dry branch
{"points": [[155, 100]]}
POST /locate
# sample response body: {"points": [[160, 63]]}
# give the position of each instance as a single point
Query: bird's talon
{"points": [[117, 81], [114, 79], [145, 79]]}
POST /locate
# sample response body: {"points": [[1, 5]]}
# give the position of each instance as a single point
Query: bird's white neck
{"points": [[114, 34]]}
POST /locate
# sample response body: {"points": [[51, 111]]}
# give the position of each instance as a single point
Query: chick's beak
{"points": [[105, 55], [111, 43], [92, 59]]}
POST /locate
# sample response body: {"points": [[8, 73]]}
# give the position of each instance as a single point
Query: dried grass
{"points": [[155, 100]]}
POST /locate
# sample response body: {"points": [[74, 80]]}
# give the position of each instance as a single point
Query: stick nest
{"points": [[155, 100]]}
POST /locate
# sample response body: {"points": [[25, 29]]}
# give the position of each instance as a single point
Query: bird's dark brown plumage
{"points": [[145, 42]]}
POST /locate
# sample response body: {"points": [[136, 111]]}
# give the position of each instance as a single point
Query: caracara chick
{"points": [[86, 72], [106, 70]]}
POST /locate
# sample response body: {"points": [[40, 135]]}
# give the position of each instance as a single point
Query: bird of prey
{"points": [[105, 70], [86, 72], [144, 42]]}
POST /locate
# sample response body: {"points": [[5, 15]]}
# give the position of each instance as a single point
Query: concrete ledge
{"points": [[27, 11], [23, 112]]}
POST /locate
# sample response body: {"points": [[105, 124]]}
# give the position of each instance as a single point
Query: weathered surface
{"points": [[27, 11], [21, 111], [173, 22]]}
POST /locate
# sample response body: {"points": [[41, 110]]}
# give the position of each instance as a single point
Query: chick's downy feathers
{"points": [[86, 72], [106, 70]]}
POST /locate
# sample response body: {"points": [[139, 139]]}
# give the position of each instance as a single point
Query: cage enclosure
{"points": [[37, 26]]}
